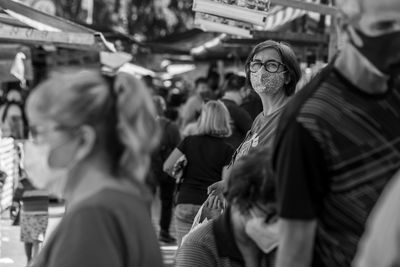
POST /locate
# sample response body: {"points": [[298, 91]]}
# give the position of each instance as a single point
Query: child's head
{"points": [[251, 185]]}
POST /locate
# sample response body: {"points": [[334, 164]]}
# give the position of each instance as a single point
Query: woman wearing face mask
{"points": [[92, 137], [234, 238], [273, 72]]}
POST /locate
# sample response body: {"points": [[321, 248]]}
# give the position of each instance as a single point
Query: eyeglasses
{"points": [[271, 66]]}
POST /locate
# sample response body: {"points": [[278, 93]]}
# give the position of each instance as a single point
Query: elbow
{"points": [[166, 168]]}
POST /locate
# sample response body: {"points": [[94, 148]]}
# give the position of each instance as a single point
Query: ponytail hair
{"points": [[137, 128], [119, 109]]}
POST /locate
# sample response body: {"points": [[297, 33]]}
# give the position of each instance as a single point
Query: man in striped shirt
{"points": [[338, 143]]}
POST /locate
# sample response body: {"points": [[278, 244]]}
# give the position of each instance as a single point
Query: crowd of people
{"points": [[258, 172]]}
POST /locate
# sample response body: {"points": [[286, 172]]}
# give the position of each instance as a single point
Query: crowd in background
{"points": [[255, 170]]}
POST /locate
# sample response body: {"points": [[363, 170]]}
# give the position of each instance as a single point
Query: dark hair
{"points": [[228, 75], [200, 80], [235, 83], [160, 105], [288, 57], [148, 80], [251, 181]]}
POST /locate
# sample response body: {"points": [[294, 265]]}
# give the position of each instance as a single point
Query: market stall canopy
{"points": [[22, 24], [202, 45], [285, 20], [180, 43]]}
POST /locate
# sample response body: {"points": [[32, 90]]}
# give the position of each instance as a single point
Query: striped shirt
{"points": [[214, 245], [336, 148], [35, 202]]}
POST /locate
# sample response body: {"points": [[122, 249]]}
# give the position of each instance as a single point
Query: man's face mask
{"points": [[382, 51]]}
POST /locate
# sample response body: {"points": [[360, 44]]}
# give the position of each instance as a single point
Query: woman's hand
{"points": [[216, 188], [215, 198]]}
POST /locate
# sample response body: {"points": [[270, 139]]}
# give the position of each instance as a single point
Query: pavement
{"points": [[12, 250]]}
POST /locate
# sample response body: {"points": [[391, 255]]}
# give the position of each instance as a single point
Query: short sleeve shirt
{"points": [[261, 134], [206, 156], [336, 148], [110, 228]]}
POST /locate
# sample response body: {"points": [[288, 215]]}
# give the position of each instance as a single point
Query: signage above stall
{"points": [[242, 17], [45, 6], [211, 23], [249, 11], [234, 17], [18, 34]]}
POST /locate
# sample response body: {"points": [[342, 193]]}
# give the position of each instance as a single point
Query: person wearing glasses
{"points": [[91, 135], [272, 71], [230, 239]]}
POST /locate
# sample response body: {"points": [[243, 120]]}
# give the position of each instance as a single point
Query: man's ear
{"points": [[354, 37]]}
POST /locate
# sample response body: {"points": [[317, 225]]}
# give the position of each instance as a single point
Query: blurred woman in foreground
{"points": [[94, 136]]}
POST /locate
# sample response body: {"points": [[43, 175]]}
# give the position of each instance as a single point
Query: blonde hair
{"points": [[121, 112], [214, 120]]}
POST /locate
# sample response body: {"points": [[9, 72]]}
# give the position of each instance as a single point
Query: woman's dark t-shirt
{"points": [[111, 228], [206, 156]]}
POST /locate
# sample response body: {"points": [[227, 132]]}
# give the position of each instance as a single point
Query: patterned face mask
{"points": [[268, 83]]}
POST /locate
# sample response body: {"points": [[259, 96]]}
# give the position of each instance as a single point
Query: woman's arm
{"points": [[171, 160]]}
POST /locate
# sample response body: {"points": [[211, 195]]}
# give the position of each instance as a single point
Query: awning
{"points": [[23, 24]]}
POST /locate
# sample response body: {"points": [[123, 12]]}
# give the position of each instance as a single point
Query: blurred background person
{"points": [[192, 108], [272, 71], [252, 103], [234, 94], [213, 80], [34, 216], [228, 240], [174, 101], [191, 129], [95, 132], [207, 154], [170, 138], [148, 82]]}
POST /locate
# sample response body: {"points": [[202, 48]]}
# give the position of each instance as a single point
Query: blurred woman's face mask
{"points": [[36, 163], [48, 167]]}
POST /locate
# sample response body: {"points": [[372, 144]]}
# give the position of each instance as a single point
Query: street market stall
{"points": [[32, 44]]}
